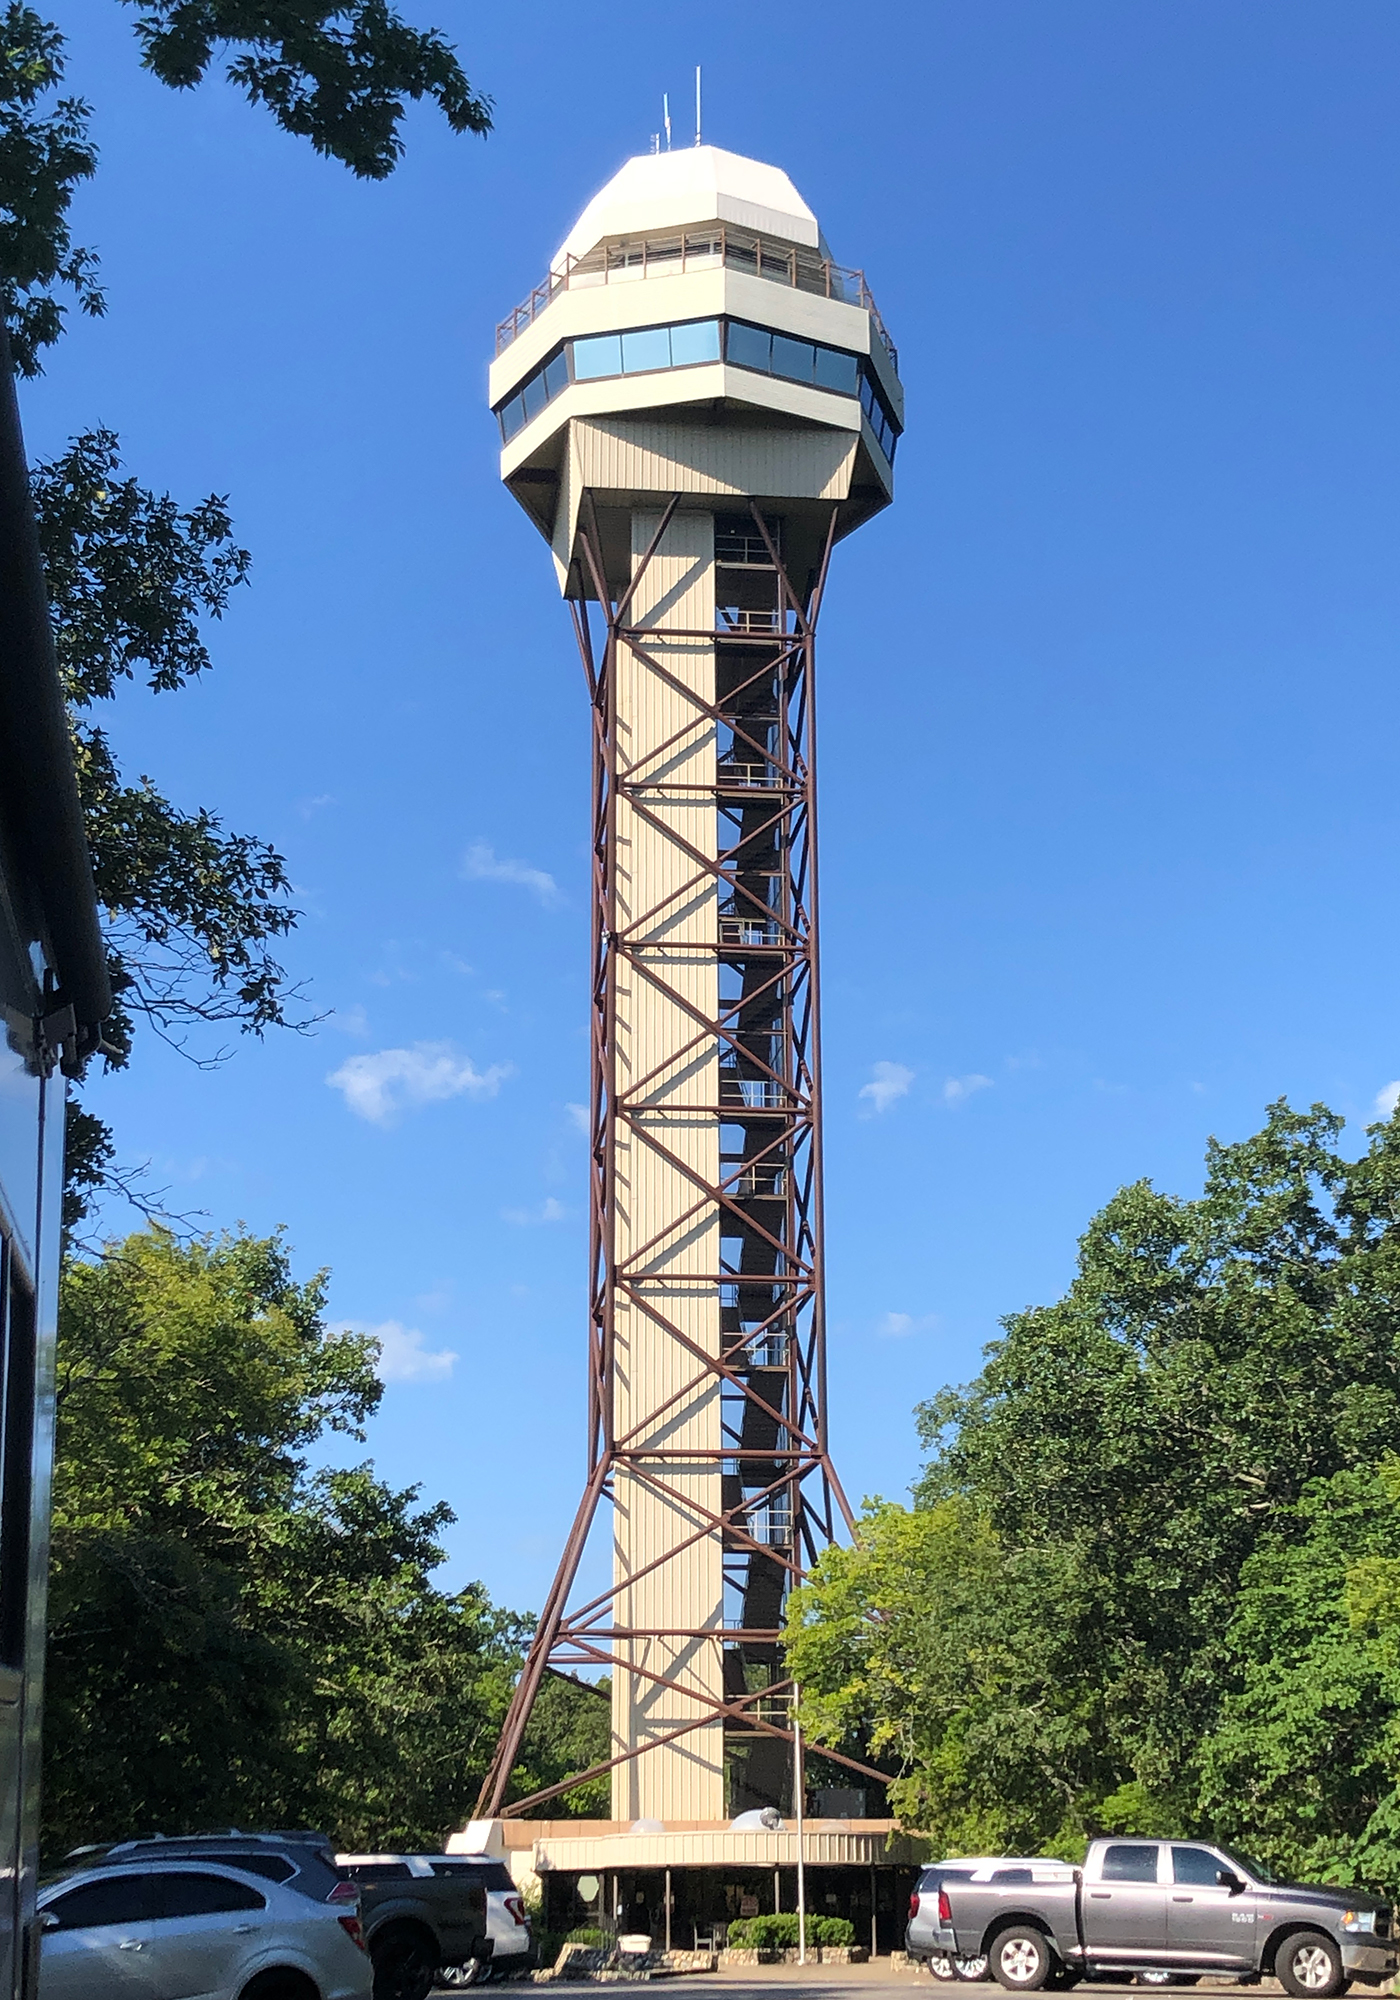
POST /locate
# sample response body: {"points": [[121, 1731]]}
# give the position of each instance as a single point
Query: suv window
{"points": [[490, 1874], [272, 1867], [190, 1895], [119, 1899], [1196, 1866], [1130, 1864]]}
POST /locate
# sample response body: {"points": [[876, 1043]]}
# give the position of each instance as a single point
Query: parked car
{"points": [[508, 1922], [161, 1929], [921, 1935], [302, 1859], [1181, 1907], [416, 1922]]}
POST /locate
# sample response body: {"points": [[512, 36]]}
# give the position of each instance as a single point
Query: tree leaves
{"points": [[336, 74], [42, 160], [235, 1637], [1185, 1623]]}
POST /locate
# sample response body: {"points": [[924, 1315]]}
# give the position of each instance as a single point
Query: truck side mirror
{"points": [[1228, 1879]]}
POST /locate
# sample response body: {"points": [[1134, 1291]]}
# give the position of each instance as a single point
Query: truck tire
{"points": [[1309, 1965], [405, 1963], [1021, 1958]]}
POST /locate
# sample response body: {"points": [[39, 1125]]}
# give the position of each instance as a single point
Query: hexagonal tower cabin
{"points": [[695, 406]]}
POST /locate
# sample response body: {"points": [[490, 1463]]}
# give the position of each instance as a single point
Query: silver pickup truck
{"points": [[1164, 1908]]}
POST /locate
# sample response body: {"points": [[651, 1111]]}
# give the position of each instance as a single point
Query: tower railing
{"points": [[716, 247]]}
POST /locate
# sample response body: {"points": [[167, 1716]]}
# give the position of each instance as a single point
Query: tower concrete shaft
{"points": [[692, 499]]}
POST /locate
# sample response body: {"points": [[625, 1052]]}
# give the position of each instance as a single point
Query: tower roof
{"points": [[659, 191]]}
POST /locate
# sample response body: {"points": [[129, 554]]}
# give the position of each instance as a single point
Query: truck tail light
{"points": [[945, 1908], [516, 1906], [353, 1929]]}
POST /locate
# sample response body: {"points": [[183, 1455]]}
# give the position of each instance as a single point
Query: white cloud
{"points": [[481, 864], [1388, 1098], [378, 1087], [958, 1089], [351, 1021], [889, 1081], [898, 1326], [402, 1355], [578, 1115], [524, 1218]]}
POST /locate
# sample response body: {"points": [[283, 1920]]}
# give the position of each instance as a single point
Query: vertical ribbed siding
{"points": [[657, 1203]]}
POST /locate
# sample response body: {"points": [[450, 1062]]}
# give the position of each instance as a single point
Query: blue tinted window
{"points": [[836, 371], [556, 376], [512, 417], [697, 342], [535, 396], [793, 358], [648, 349], [750, 347], [601, 355]]}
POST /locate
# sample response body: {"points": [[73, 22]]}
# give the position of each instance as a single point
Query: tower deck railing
{"points": [[717, 247]]}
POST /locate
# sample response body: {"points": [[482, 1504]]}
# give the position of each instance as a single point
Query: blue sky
{"points": [[1109, 701]]}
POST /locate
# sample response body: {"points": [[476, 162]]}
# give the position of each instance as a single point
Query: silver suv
{"points": [[162, 1930]]}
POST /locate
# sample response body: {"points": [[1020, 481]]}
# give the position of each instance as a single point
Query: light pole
{"points": [[799, 1802]]}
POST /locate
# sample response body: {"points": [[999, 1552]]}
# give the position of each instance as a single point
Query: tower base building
{"points": [[696, 406]]}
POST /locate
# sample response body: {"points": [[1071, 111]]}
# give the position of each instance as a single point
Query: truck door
{"points": [[1125, 1910], [1208, 1922]]}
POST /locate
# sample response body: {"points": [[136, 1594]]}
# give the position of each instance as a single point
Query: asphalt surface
{"points": [[878, 1981]]}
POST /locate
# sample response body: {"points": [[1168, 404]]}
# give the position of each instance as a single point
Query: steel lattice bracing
{"points": [[707, 1383]]}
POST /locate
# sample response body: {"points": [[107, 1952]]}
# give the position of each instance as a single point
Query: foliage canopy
{"points": [[235, 1636], [1144, 1583]]}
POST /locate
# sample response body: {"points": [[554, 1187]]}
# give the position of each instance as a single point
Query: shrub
{"points": [[778, 1931], [587, 1934]]}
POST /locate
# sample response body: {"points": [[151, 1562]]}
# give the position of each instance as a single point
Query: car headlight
{"points": [[1359, 1920]]}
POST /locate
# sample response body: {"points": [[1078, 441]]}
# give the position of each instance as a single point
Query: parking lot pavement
{"points": [[877, 1981]]}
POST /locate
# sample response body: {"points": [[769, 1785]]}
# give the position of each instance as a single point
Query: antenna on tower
{"points": [[666, 117], [697, 104]]}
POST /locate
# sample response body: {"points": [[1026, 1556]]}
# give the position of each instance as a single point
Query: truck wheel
{"points": [[1309, 1966], [405, 1966], [1022, 1959]]}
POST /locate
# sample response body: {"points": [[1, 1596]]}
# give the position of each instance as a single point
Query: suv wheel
{"points": [[971, 1968], [471, 1972], [1021, 1959], [1309, 1966], [405, 1965], [940, 1964]]}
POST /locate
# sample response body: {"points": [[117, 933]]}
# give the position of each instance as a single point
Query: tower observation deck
{"points": [[695, 405]]}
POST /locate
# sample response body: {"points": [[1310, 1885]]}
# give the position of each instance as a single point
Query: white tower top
{"points": [[697, 184]]}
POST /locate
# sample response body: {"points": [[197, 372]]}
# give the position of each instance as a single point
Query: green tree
{"points": [[233, 1636], [1302, 1760], [1186, 1444], [932, 1645]]}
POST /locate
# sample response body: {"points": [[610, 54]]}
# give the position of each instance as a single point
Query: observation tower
{"points": [[695, 406]]}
